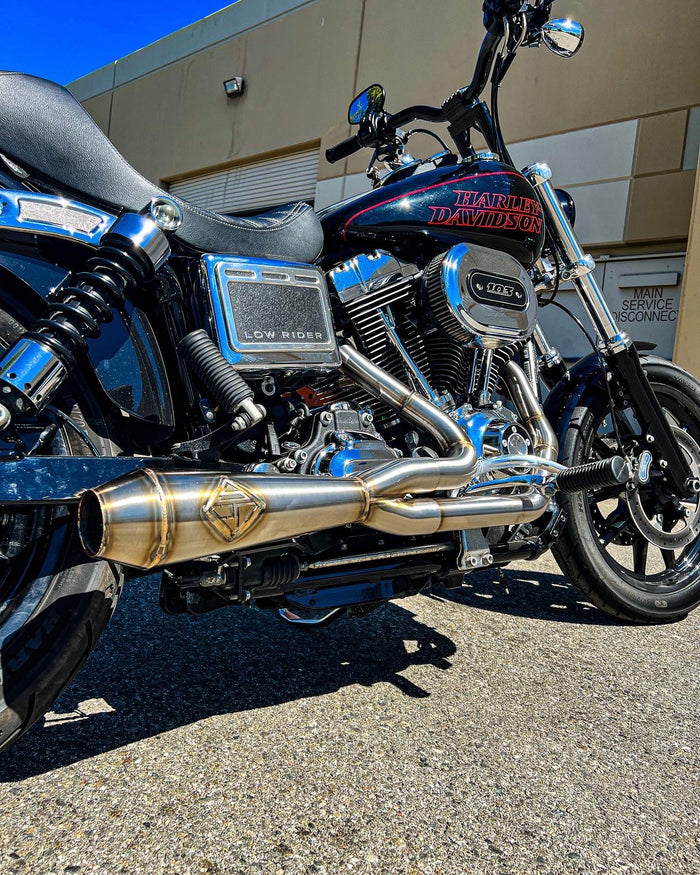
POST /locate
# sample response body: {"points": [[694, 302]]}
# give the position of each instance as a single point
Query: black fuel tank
{"points": [[483, 201]]}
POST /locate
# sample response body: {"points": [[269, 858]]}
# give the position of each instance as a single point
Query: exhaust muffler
{"points": [[149, 519]]}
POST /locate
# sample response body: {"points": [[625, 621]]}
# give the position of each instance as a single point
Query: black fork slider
{"points": [[594, 476]]}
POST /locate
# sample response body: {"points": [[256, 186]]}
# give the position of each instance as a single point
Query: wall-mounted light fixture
{"points": [[234, 87]]}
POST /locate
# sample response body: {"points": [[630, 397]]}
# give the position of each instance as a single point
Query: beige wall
{"points": [[613, 121], [687, 350], [639, 61], [300, 76]]}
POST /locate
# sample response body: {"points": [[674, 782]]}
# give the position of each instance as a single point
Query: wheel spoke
{"points": [[669, 558], [640, 548], [614, 523]]}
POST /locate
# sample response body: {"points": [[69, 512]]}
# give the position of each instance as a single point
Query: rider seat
{"points": [[47, 132]]}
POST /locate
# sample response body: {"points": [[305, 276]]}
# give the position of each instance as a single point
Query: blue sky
{"points": [[65, 40]]}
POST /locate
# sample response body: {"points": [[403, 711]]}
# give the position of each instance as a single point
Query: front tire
{"points": [[601, 550]]}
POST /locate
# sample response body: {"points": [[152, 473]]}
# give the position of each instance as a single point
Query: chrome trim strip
{"points": [[33, 213]]}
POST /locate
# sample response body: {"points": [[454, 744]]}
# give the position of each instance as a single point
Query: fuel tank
{"points": [[483, 201]]}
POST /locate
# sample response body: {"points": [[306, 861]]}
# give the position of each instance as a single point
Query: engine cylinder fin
{"points": [[450, 363], [500, 358], [367, 314]]}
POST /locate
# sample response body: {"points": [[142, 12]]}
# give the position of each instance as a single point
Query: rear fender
{"points": [[125, 357]]}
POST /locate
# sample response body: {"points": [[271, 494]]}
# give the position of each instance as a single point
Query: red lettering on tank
{"points": [[475, 209]]}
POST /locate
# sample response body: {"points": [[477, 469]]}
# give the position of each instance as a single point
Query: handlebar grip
{"points": [[343, 149]]}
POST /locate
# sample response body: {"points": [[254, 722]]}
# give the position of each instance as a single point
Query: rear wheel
{"points": [[635, 554], [54, 602]]}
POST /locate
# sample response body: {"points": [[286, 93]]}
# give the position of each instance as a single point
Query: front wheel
{"points": [[635, 554]]}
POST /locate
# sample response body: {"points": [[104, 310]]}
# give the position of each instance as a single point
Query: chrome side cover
{"points": [[271, 314], [34, 213]]}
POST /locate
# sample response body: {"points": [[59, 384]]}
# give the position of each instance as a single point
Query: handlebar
{"points": [[484, 62], [343, 149], [494, 13], [412, 113]]}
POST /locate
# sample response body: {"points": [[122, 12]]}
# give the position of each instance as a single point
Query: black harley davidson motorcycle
{"points": [[315, 414]]}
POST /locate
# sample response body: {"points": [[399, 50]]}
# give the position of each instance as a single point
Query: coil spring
{"points": [[77, 311], [281, 570]]}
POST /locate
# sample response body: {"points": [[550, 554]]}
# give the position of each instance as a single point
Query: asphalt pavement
{"points": [[477, 731]]}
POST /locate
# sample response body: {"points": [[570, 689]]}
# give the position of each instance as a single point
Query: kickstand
{"points": [[502, 580]]}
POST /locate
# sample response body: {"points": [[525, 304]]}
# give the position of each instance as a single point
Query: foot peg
{"points": [[594, 475]]}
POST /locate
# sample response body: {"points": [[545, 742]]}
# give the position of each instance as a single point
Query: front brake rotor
{"points": [[687, 526]]}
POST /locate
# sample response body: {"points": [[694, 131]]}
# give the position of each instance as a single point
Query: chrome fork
{"points": [[577, 266], [615, 345]]}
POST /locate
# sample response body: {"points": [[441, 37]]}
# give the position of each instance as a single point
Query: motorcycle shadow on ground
{"points": [[531, 594], [152, 673]]}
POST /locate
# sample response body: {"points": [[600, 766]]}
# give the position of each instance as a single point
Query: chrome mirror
{"points": [[371, 100], [563, 36]]}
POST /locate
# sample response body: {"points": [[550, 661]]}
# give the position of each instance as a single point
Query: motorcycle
{"points": [[316, 414]]}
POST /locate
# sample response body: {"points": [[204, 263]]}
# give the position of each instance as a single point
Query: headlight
{"points": [[567, 204]]}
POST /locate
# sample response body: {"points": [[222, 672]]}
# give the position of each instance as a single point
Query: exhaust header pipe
{"points": [[149, 519]]}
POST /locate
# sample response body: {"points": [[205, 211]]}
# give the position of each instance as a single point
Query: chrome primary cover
{"points": [[480, 296]]}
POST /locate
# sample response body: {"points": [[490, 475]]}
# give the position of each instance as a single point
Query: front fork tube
{"points": [[617, 348]]}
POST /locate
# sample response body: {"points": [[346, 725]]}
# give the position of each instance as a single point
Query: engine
{"points": [[445, 330]]}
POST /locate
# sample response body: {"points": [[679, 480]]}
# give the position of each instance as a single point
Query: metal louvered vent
{"points": [[253, 187]]}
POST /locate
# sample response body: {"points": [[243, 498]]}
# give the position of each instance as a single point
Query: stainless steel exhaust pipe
{"points": [[148, 519], [425, 516], [530, 411]]}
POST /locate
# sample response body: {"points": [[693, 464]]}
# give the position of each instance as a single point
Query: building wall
{"points": [[619, 123], [687, 349]]}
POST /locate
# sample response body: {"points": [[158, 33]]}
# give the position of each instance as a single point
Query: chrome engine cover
{"points": [[480, 296]]}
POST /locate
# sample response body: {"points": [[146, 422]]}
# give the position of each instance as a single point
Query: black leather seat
{"points": [[48, 133]]}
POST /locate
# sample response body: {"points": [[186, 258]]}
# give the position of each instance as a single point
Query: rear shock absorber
{"points": [[129, 253]]}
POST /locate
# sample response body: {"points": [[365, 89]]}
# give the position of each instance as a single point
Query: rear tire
{"points": [[601, 551], [54, 601]]}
